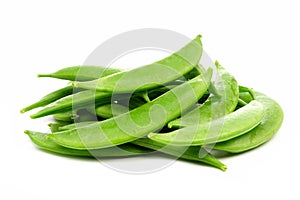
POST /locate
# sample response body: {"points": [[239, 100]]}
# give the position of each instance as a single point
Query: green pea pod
{"points": [[229, 126], [245, 96], [77, 100], [138, 122], [269, 125], [81, 73], [55, 127], [186, 153], [65, 116], [41, 140], [110, 110], [140, 79], [49, 98], [74, 125], [215, 106]]}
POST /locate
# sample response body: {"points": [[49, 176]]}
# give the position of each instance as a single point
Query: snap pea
{"points": [[269, 125], [169, 69], [245, 96], [54, 127], [138, 122], [49, 98], [231, 125], [110, 110], [215, 106], [74, 125], [186, 153], [77, 100], [65, 116], [241, 102], [81, 73], [42, 141]]}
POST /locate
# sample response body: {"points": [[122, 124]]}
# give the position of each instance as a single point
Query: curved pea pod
{"points": [[214, 107], [269, 125], [49, 98], [81, 73], [77, 100], [42, 141], [185, 153], [221, 129], [150, 76], [138, 122]]}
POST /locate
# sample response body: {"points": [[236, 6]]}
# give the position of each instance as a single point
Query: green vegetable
{"points": [[81, 73], [45, 143], [140, 79], [172, 106], [215, 106], [185, 153], [138, 122], [269, 125], [225, 128], [49, 98]]}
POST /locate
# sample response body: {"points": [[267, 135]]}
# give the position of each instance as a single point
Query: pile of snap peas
{"points": [[172, 106]]}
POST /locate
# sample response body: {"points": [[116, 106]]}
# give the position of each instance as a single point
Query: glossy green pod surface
{"points": [[81, 73], [215, 106], [229, 126], [150, 76], [186, 153], [138, 122], [41, 140], [269, 125]]}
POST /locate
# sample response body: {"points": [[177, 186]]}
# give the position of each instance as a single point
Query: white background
{"points": [[257, 41]]}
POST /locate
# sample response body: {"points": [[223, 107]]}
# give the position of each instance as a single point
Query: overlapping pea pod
{"points": [[138, 147], [269, 125], [118, 130], [70, 73], [170, 69], [231, 125], [162, 72], [215, 106]]}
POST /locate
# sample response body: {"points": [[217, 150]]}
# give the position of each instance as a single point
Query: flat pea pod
{"points": [[269, 125], [49, 98], [145, 77], [81, 73], [215, 106], [136, 123], [77, 100], [42, 141], [229, 126], [185, 153]]}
